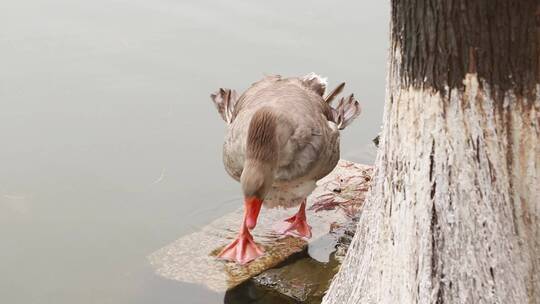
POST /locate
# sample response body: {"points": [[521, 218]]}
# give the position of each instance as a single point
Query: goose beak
{"points": [[252, 209]]}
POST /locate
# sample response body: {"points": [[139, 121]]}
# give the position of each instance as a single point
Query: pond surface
{"points": [[110, 145]]}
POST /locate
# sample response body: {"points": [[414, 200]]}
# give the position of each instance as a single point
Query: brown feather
{"points": [[261, 141], [225, 102], [330, 97]]}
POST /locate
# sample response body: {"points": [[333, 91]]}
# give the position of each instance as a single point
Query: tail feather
{"points": [[346, 111], [225, 101], [330, 97]]}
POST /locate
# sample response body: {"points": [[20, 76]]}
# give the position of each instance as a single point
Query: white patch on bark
{"points": [[454, 212]]}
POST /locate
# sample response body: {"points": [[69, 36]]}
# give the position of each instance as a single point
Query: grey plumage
{"points": [[307, 131]]}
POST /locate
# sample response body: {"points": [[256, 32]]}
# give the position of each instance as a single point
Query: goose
{"points": [[282, 137]]}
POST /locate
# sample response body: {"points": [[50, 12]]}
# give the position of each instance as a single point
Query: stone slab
{"points": [[191, 258]]}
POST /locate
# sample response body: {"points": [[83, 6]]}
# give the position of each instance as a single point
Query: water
{"points": [[111, 147]]}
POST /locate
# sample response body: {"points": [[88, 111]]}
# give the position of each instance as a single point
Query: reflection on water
{"points": [[111, 147]]}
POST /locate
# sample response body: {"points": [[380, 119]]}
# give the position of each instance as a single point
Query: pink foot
{"points": [[296, 225], [242, 250]]}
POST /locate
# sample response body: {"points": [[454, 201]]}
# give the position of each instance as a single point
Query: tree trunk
{"points": [[454, 212]]}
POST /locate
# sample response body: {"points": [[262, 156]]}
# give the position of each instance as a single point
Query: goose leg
{"points": [[244, 249], [296, 225]]}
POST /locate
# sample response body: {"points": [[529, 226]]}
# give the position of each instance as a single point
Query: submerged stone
{"points": [[303, 280], [249, 292], [307, 279]]}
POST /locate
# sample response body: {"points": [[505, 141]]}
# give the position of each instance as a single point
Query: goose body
{"points": [[308, 141], [282, 137]]}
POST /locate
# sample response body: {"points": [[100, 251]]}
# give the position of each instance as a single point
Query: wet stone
{"points": [[251, 293], [304, 280], [192, 258]]}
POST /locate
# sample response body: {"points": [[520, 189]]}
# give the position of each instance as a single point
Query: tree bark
{"points": [[454, 212]]}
